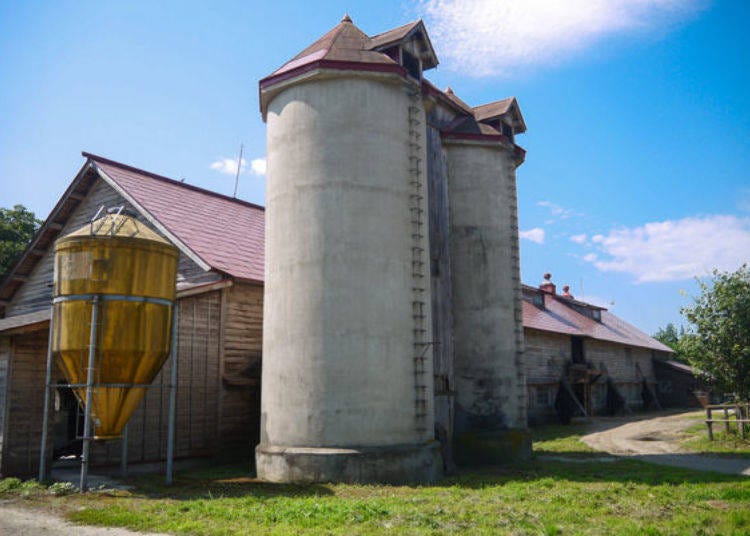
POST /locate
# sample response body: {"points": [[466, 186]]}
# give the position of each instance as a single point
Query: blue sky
{"points": [[638, 114]]}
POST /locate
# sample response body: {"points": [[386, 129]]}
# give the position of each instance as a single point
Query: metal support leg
{"points": [[172, 394], [124, 453], [88, 429], [45, 419]]}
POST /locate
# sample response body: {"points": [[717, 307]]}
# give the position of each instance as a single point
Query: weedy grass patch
{"points": [[725, 443], [585, 496]]}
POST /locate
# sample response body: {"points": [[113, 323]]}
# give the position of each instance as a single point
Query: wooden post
{"points": [[726, 419], [709, 423], [88, 426], [742, 416]]}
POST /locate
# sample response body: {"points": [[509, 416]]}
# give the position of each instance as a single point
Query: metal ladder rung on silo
{"points": [[418, 247]]}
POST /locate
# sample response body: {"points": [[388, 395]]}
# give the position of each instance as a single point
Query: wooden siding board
{"points": [[25, 405], [440, 281], [240, 382], [546, 355], [197, 393], [36, 293]]}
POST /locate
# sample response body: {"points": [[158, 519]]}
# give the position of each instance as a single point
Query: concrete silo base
{"points": [[492, 448], [401, 464]]}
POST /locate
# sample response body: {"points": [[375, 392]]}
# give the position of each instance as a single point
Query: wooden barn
{"points": [[584, 357], [220, 296]]}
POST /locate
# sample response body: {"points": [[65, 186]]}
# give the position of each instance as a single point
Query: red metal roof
{"points": [[227, 234], [344, 42], [557, 316]]}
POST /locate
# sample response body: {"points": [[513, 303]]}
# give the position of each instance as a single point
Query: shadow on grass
{"points": [[236, 481]]}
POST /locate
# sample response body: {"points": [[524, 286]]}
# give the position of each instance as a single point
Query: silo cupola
{"points": [[409, 45]]}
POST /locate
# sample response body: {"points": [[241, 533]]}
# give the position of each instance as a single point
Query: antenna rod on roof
{"points": [[237, 176]]}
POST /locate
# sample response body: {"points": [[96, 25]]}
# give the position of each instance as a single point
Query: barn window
{"points": [[538, 300], [576, 349], [542, 396]]}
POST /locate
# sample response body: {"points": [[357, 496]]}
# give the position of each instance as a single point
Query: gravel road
{"points": [[656, 440], [25, 522]]}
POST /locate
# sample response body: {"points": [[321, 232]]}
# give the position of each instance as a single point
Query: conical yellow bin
{"points": [[132, 272]]}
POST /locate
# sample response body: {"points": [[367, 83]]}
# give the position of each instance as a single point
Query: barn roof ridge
{"points": [[170, 180], [558, 315]]}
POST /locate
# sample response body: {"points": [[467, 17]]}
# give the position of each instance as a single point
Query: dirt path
{"points": [[27, 522], [656, 440]]}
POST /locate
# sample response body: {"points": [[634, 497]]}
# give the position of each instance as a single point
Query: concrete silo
{"points": [[347, 385], [490, 403]]}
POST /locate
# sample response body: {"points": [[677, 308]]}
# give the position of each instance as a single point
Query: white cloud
{"points": [[498, 37], [579, 238], [675, 250], [535, 235], [258, 166], [598, 301], [556, 211], [227, 165], [590, 257]]}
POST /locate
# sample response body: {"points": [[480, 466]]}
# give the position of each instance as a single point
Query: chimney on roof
{"points": [[566, 292], [547, 285]]}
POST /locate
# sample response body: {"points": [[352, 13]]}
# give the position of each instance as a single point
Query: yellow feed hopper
{"points": [[130, 271]]}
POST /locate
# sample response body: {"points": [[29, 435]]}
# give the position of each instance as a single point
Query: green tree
{"points": [[719, 342], [668, 335], [17, 227]]}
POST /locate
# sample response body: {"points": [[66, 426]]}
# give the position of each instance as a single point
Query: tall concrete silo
{"points": [[347, 386], [490, 403]]}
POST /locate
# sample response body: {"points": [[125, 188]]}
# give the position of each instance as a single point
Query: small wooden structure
{"points": [[740, 411], [220, 304]]}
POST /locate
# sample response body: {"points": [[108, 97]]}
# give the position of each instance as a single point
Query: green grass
{"points": [[724, 444], [541, 497], [562, 440]]}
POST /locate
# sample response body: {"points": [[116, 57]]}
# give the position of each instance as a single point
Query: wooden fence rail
{"points": [[740, 412]]}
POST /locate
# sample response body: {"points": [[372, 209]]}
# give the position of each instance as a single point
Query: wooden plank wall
{"points": [[218, 403], [36, 293], [240, 382], [4, 366], [197, 393], [24, 404], [547, 354], [442, 317]]}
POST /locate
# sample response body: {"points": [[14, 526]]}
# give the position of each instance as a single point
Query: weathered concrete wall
{"points": [[338, 334], [489, 375], [545, 355]]}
